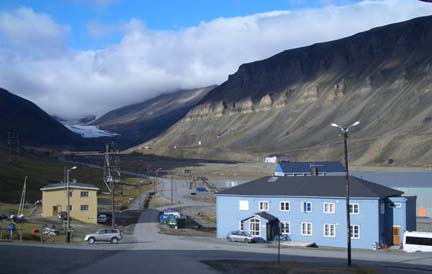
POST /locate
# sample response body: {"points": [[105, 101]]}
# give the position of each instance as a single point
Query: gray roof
{"points": [[305, 167], [264, 215], [71, 185], [311, 186]]}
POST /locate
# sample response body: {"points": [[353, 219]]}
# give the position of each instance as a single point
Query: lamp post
{"points": [[68, 204], [345, 131]]}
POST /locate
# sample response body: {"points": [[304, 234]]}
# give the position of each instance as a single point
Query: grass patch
{"points": [[247, 267]]}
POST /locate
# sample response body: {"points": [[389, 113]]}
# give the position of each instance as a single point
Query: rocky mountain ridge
{"points": [[285, 104]]}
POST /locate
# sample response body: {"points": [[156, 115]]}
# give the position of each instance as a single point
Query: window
{"points": [[418, 241], [70, 207], [264, 206], [84, 194], [306, 229], [254, 227], [285, 227], [241, 226], [307, 207], [329, 208], [284, 206], [244, 205], [355, 231], [84, 207], [354, 208], [382, 208], [329, 230], [70, 193]]}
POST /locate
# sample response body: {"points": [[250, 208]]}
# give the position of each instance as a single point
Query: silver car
{"points": [[240, 236], [104, 235]]}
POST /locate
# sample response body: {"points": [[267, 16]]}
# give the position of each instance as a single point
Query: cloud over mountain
{"points": [[36, 62]]}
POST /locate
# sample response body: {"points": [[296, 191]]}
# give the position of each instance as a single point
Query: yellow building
{"points": [[82, 201]]}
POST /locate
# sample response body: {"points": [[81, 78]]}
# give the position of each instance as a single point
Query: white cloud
{"points": [[147, 62]]}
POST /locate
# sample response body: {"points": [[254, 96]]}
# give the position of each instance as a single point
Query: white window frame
{"points": [[330, 205], [243, 205], [303, 207], [84, 194], [352, 232], [81, 208], [327, 228], [353, 205], [289, 227], [263, 203], [286, 203], [253, 232], [303, 232]]}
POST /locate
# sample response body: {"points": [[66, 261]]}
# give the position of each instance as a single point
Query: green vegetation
{"points": [[40, 171]]}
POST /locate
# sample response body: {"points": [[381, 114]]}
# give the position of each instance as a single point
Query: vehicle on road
{"points": [[62, 215], [240, 236], [103, 218], [104, 235], [417, 241], [175, 222], [18, 219], [163, 218]]}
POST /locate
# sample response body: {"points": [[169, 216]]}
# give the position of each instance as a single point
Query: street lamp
{"points": [[345, 131], [68, 204]]}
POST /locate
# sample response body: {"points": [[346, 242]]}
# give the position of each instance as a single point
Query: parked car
{"points": [[103, 218], [174, 222], [18, 219], [104, 235], [240, 236], [172, 211], [62, 215], [163, 218]]}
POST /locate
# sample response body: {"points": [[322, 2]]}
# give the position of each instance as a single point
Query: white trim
{"points": [[289, 227], [329, 230], [70, 187], [358, 236], [265, 202], [301, 229], [358, 208], [259, 227], [280, 206], [330, 207]]}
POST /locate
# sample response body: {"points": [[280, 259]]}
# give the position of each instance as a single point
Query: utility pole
{"points": [[172, 189], [345, 131], [111, 171], [68, 236]]}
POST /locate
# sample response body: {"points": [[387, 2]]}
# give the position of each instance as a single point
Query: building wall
{"points": [[58, 198], [229, 216]]}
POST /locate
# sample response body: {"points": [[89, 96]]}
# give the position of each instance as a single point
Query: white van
{"points": [[417, 241]]}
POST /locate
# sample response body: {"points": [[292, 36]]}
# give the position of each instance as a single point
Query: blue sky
{"points": [[162, 14], [81, 57]]}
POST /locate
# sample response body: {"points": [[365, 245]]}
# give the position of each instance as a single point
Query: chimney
{"points": [[314, 170]]}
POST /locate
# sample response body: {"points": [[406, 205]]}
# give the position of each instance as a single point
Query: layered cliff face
{"points": [[285, 104]]}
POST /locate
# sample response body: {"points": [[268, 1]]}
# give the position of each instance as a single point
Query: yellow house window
{"points": [[84, 207], [84, 194]]}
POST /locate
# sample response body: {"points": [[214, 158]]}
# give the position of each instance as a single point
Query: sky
{"points": [[80, 57]]}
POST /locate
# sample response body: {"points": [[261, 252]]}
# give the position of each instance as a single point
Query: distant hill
{"points": [[32, 125], [285, 104], [143, 121]]}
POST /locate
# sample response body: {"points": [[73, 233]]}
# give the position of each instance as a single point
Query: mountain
{"points": [[140, 122], [32, 125], [285, 104]]}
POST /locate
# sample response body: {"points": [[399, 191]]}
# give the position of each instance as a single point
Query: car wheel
{"points": [[91, 240], [114, 240]]}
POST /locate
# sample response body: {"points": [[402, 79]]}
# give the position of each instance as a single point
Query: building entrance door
{"points": [[55, 211], [396, 235]]}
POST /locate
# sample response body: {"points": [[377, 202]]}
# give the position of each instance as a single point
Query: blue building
{"points": [[309, 168], [312, 209]]}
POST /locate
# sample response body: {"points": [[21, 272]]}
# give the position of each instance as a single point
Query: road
{"points": [[150, 252]]}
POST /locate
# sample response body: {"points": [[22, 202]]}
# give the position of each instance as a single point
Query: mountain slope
{"points": [[382, 77], [32, 125], [140, 122]]}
